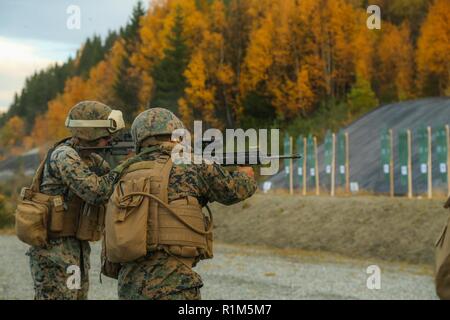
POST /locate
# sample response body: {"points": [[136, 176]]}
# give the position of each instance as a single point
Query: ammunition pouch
{"points": [[31, 221], [108, 268]]}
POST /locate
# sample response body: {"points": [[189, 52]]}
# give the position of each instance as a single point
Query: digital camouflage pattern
{"points": [[49, 269], [158, 277], [67, 168], [69, 175], [165, 276], [153, 122], [89, 110]]}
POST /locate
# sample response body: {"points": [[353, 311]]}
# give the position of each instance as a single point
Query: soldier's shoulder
{"points": [[64, 152]]}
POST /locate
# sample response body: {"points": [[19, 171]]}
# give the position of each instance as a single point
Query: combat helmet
{"points": [[154, 122], [92, 120]]}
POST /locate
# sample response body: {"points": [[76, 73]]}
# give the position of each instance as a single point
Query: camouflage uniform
{"points": [[69, 175], [161, 275]]}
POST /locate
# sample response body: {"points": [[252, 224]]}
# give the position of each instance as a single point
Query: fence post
{"points": [[333, 165], [430, 165], [291, 165], [316, 169], [410, 186], [347, 164], [305, 153], [391, 163]]}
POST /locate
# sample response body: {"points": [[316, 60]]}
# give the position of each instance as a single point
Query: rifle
{"points": [[123, 145], [243, 158], [248, 158]]}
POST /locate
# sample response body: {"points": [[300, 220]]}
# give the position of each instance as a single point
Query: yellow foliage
{"points": [[12, 132], [433, 48], [101, 81], [117, 53], [199, 100], [396, 57], [259, 56], [292, 53], [50, 127]]}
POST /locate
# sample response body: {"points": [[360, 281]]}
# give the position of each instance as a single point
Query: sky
{"points": [[37, 33]]}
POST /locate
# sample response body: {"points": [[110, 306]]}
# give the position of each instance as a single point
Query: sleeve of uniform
{"points": [[83, 182], [226, 187], [101, 164]]}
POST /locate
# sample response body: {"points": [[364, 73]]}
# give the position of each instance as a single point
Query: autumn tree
{"points": [[395, 54], [12, 132], [433, 50], [50, 126], [398, 12], [246, 63]]}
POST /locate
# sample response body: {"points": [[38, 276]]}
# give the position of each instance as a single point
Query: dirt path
{"points": [[245, 272]]}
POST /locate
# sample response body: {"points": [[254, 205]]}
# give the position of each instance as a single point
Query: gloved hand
{"points": [[124, 165]]}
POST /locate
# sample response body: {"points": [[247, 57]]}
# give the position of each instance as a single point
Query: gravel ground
{"points": [[394, 229], [244, 272]]}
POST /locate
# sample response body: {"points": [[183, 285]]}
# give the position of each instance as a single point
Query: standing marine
{"points": [[64, 208], [155, 230]]}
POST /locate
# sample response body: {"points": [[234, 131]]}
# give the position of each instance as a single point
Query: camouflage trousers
{"points": [[60, 270], [158, 277]]}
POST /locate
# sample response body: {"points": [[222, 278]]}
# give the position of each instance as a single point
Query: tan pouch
{"points": [[31, 221], [57, 214], [91, 223], [172, 225], [126, 221], [108, 268]]}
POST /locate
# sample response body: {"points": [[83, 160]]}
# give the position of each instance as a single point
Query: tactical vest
{"points": [[40, 217], [140, 219]]}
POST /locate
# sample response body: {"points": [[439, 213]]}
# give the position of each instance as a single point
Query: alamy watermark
{"points": [[74, 280], [374, 280], [374, 20], [73, 21]]}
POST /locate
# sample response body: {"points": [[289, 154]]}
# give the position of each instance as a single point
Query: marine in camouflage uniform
{"points": [[70, 173], [161, 275]]}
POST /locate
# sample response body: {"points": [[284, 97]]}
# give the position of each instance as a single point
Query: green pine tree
{"points": [[361, 98], [131, 30], [126, 87], [168, 74]]}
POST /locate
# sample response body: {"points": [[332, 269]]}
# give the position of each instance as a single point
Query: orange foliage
{"points": [[295, 54], [11, 134], [199, 101], [433, 49], [396, 55]]}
